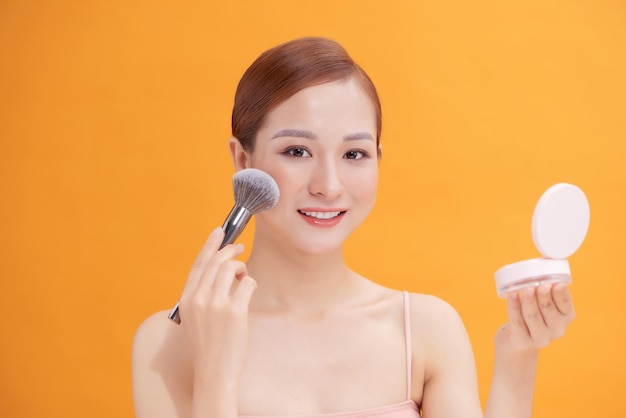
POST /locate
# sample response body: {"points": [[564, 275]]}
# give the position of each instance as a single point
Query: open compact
{"points": [[559, 227]]}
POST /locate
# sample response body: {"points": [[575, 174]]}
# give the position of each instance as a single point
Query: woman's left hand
{"points": [[537, 316]]}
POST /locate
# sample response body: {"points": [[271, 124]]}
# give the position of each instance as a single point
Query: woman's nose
{"points": [[326, 180]]}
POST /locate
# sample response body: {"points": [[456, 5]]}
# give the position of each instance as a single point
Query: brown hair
{"points": [[284, 70]]}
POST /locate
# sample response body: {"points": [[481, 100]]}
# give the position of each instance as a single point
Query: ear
{"points": [[241, 158]]}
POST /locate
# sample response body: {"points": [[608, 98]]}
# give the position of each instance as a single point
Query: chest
{"points": [[323, 366]]}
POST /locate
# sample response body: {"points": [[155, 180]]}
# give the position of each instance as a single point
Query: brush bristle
{"points": [[255, 190]]}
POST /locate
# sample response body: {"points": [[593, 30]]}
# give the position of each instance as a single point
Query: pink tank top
{"points": [[405, 409]]}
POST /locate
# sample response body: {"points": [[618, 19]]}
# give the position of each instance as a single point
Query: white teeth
{"points": [[321, 215]]}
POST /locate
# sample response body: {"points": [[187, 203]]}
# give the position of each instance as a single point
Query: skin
{"points": [[296, 321]]}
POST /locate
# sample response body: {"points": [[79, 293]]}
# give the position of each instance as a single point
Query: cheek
{"points": [[262, 162], [369, 189], [367, 177], [289, 185], [365, 183]]}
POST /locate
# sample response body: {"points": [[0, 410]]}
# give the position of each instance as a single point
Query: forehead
{"points": [[334, 104]]}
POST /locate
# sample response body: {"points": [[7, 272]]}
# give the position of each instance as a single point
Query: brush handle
{"points": [[233, 226], [173, 315]]}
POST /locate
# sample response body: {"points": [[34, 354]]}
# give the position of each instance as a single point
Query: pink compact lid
{"points": [[559, 226], [560, 221]]}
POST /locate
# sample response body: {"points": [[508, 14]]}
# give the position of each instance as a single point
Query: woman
{"points": [[294, 331]]}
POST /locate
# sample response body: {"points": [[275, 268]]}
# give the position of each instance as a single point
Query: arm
{"points": [[536, 317], [450, 387], [161, 369], [193, 369], [450, 382]]}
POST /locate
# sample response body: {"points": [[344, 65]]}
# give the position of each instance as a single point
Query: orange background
{"points": [[114, 117]]}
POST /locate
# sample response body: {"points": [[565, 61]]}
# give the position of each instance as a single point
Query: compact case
{"points": [[559, 227]]}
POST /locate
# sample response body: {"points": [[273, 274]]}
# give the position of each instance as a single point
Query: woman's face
{"points": [[320, 147]]}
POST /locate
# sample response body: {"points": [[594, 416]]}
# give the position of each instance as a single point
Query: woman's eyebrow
{"points": [[303, 133], [358, 135], [294, 133]]}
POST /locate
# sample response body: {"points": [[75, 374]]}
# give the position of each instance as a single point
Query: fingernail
{"points": [[544, 288], [215, 231]]}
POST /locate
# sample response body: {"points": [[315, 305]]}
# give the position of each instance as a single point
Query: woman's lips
{"points": [[323, 218]]}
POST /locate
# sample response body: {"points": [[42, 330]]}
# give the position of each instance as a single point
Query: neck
{"points": [[293, 281]]}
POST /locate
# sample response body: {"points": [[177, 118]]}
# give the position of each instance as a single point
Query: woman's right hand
{"points": [[214, 312]]}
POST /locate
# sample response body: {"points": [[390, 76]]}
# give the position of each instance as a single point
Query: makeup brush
{"points": [[255, 191]]}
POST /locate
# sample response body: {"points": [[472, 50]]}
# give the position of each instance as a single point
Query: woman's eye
{"points": [[354, 155], [298, 152]]}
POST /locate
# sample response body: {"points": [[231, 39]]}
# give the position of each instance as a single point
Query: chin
{"points": [[321, 249], [321, 243]]}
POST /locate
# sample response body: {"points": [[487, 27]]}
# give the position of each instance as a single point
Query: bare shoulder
{"points": [[432, 312], [159, 344], [438, 331], [156, 325], [156, 334], [161, 367]]}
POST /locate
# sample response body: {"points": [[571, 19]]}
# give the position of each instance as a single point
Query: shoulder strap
{"points": [[407, 342]]}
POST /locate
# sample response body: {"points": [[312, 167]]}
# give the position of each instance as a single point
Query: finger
{"points": [[229, 252], [244, 291], [555, 320], [518, 329], [563, 300], [548, 309], [199, 291], [210, 247], [228, 272], [531, 312]]}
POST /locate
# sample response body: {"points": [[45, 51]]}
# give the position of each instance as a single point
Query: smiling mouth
{"points": [[322, 215]]}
